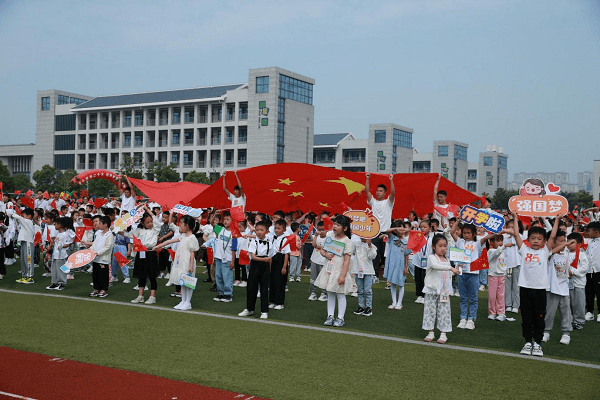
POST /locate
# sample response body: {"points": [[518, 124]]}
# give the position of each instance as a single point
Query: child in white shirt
{"points": [[496, 277], [317, 261], [364, 254], [577, 278], [25, 238]]}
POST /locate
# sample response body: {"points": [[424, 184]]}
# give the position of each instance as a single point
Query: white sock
{"points": [[393, 290], [400, 295], [188, 297], [330, 303], [341, 305]]}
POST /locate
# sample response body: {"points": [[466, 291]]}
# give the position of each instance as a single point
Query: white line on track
{"points": [[322, 329], [16, 396]]}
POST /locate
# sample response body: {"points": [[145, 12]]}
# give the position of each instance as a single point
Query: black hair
{"points": [[436, 239], [289, 216], [280, 222], [519, 222], [434, 221], [166, 212], [226, 213], [576, 236], [64, 207], [594, 226], [325, 212], [279, 213], [63, 221], [27, 211], [310, 218], [536, 230], [294, 226], [264, 224], [243, 222], [425, 221], [108, 211], [470, 227], [105, 219], [453, 219], [88, 216], [406, 224], [382, 186], [250, 217], [320, 224], [559, 233], [97, 216], [443, 193], [189, 221], [345, 223]]}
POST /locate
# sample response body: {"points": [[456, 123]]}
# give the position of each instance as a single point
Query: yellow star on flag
{"points": [[324, 205], [286, 181], [351, 186], [278, 190], [296, 194]]}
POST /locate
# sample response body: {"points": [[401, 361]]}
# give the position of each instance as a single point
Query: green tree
{"points": [[5, 177], [21, 182], [582, 199], [131, 167], [160, 172], [198, 177], [501, 197], [101, 188], [46, 178]]}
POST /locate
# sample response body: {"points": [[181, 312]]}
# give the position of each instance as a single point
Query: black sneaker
{"points": [[60, 286], [103, 293], [213, 288], [175, 293], [368, 312], [52, 287], [359, 311], [207, 280]]}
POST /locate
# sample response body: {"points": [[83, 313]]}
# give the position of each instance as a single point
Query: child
{"points": [[557, 294], [496, 289], [533, 282], [3, 229], [184, 261], [260, 263], [224, 260], [279, 261], [419, 260], [335, 276], [103, 246], [145, 266], [396, 263], [317, 261], [25, 238], [468, 281], [241, 268], [62, 240], [577, 277], [592, 287], [438, 284], [483, 274], [295, 256], [364, 254], [513, 266], [47, 235], [165, 233]]}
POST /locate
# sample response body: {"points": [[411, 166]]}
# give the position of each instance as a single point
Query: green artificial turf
{"points": [[503, 336]]}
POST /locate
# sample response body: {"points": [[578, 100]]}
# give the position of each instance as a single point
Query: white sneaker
{"points": [[139, 299], [178, 306], [398, 307], [151, 300], [291, 279], [258, 295], [546, 337], [354, 294], [45, 274], [236, 283], [491, 317], [376, 280], [481, 288], [245, 313], [501, 317], [243, 284], [169, 284], [1, 277], [420, 300], [278, 307], [126, 280], [161, 275], [565, 339], [91, 283], [312, 297], [136, 287], [168, 276], [115, 279], [90, 270], [462, 324], [186, 307], [598, 319], [287, 289], [589, 316], [537, 350], [526, 350], [456, 294], [271, 305], [470, 325], [391, 306], [298, 279], [323, 297], [264, 315]]}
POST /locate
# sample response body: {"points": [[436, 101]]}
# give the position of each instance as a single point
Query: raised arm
{"points": [[131, 188], [435, 188], [368, 187], [515, 230], [227, 192], [550, 242], [392, 196], [121, 184], [486, 238], [239, 183], [454, 231]]}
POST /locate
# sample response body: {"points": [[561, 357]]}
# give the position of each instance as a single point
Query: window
{"points": [[442, 151], [139, 118], [354, 155], [127, 119], [203, 114], [175, 138], [215, 159], [460, 152], [472, 187], [127, 139], [176, 115], [421, 166], [217, 113], [354, 169], [189, 115], [472, 174], [188, 137], [137, 159], [63, 99], [294, 89], [64, 142], [188, 158], [229, 135], [215, 136], [64, 161], [242, 134], [402, 138], [231, 112], [262, 84], [229, 158], [323, 156], [243, 113], [241, 157], [281, 110], [45, 103], [279, 154], [175, 158], [65, 122], [280, 141], [163, 116], [380, 136], [138, 140], [75, 100], [488, 161], [502, 162]]}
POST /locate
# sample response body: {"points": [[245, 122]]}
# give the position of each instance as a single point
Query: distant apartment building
{"points": [[562, 179], [492, 170], [596, 181]]}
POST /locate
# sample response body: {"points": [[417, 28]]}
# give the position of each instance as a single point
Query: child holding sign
{"points": [[438, 286], [103, 247], [335, 276], [145, 266], [184, 261]]}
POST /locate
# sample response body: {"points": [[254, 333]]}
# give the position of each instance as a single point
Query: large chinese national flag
{"points": [[291, 186], [168, 194]]}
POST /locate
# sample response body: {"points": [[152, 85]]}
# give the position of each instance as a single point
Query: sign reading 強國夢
{"points": [[491, 221], [538, 200], [363, 223]]}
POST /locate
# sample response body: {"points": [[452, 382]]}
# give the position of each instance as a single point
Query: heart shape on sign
{"points": [[552, 188]]}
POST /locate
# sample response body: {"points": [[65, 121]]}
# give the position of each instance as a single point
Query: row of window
{"points": [[280, 129], [62, 99], [295, 89]]}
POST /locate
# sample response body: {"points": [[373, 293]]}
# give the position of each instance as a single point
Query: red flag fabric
{"points": [[45, 195], [1, 185], [209, 256], [28, 202], [416, 241], [100, 202], [525, 220], [308, 233], [37, 239], [292, 186], [237, 213], [171, 253], [291, 241], [585, 221], [327, 223], [584, 246], [235, 230], [482, 262], [17, 192], [138, 246], [29, 193], [79, 231], [596, 203], [121, 259], [169, 194], [53, 204], [244, 258], [575, 262], [48, 238], [18, 210], [84, 193]]}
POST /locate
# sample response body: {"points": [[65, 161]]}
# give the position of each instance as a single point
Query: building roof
{"points": [[158, 97], [329, 139]]}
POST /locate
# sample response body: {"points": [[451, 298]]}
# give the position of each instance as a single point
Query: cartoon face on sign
{"points": [[532, 187]]}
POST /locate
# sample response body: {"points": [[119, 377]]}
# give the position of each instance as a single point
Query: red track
{"points": [[29, 375]]}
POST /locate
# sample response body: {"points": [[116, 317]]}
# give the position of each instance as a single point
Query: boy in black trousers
{"points": [[260, 267], [280, 256]]}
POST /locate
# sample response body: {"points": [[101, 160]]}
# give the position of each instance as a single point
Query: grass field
{"points": [[286, 362]]}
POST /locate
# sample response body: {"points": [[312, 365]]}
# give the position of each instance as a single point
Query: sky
{"points": [[520, 74]]}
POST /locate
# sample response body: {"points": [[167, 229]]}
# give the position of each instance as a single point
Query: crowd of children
{"points": [[534, 270]]}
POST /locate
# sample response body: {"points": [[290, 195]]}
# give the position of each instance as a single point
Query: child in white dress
{"points": [[335, 276]]}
